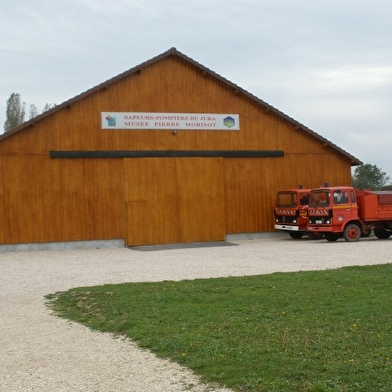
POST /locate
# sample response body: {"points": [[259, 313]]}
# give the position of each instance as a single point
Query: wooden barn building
{"points": [[167, 152]]}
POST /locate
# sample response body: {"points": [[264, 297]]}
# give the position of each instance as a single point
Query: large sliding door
{"points": [[174, 200]]}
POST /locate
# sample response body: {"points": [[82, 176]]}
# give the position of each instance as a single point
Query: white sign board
{"points": [[172, 121]]}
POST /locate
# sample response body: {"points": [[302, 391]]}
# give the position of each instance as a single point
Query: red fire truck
{"points": [[349, 213], [291, 211]]}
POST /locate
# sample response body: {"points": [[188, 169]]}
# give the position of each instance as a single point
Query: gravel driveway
{"points": [[41, 352]]}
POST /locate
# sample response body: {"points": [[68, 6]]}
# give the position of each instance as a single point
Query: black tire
{"points": [[352, 232], [295, 235], [315, 236], [382, 234], [331, 237]]}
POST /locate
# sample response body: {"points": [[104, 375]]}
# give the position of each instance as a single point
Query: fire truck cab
{"points": [[291, 211]]}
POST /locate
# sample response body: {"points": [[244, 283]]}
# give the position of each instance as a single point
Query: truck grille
{"points": [[285, 219], [320, 217]]}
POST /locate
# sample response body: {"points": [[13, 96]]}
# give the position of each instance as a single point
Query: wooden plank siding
{"points": [[65, 200], [3, 209], [248, 195], [182, 199], [251, 186], [174, 200], [77, 126]]}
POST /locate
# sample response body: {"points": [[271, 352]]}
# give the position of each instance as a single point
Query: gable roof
{"points": [[174, 52]]}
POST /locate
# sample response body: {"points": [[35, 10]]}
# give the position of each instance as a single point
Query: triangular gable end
{"points": [[297, 126]]}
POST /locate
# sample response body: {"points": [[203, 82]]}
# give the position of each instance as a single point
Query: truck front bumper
{"points": [[287, 227], [320, 229]]}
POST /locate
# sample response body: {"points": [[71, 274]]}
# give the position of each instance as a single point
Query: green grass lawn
{"points": [[304, 331]]}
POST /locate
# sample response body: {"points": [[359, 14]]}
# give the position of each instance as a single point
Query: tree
{"points": [[369, 177], [48, 106], [15, 112], [34, 112]]}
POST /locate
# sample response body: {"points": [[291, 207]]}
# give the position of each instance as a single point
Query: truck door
{"points": [[343, 205], [354, 205]]}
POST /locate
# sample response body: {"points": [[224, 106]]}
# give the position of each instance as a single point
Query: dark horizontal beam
{"points": [[169, 154]]}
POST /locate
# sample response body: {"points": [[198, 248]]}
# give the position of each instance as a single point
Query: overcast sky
{"points": [[327, 64]]}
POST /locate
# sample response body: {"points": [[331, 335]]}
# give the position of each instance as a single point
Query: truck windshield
{"points": [[304, 199], [287, 199], [319, 199]]}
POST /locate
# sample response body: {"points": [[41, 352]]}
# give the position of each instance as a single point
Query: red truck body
{"points": [[349, 213], [291, 212]]}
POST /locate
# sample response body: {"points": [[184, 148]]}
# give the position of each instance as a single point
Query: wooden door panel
{"points": [[174, 200]]}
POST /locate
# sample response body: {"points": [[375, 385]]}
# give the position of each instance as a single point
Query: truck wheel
{"points": [[352, 232], [331, 237], [315, 236], [295, 235], [382, 234]]}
